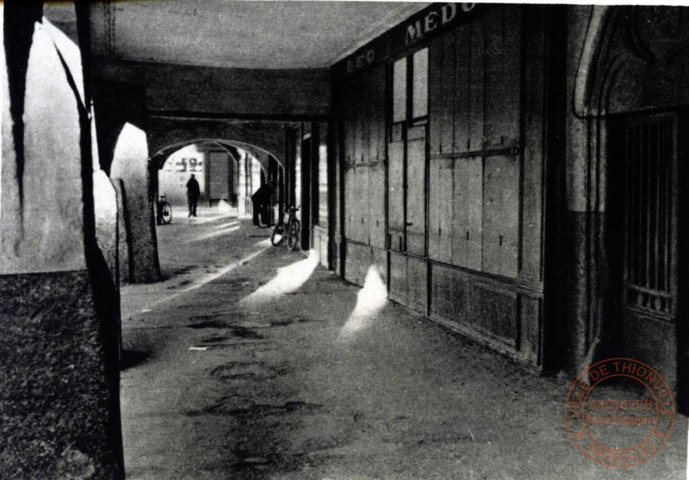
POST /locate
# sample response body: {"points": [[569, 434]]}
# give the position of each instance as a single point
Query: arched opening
{"points": [[630, 105], [228, 173]]}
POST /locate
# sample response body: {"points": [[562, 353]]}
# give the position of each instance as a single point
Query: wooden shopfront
{"points": [[445, 129]]}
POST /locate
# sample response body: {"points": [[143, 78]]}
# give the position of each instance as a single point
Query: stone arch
{"points": [[586, 71], [160, 157], [632, 59], [269, 137]]}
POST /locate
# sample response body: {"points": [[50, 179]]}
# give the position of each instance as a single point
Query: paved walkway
{"points": [[248, 362]]}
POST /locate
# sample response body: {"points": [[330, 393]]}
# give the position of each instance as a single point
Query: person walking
{"points": [[193, 194]]}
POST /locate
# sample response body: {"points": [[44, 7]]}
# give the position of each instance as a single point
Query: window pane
{"points": [[399, 91], [420, 97]]}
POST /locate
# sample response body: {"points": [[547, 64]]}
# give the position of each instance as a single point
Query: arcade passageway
{"points": [[249, 362], [489, 200]]}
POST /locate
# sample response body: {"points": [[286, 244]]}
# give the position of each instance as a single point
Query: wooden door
{"points": [[415, 192], [649, 290], [407, 181], [396, 185], [408, 155]]}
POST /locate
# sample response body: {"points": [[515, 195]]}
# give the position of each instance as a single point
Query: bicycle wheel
{"points": [[165, 213], [293, 234], [278, 234]]}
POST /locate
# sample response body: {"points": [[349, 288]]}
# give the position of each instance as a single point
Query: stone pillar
{"points": [[107, 228], [59, 381], [130, 168], [585, 263], [242, 187], [123, 229]]}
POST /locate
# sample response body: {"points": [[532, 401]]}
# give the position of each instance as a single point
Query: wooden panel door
{"points": [[407, 193], [440, 205], [467, 214], [349, 197], [407, 179], [649, 296], [363, 200], [376, 205], [501, 215], [415, 200], [396, 195]]}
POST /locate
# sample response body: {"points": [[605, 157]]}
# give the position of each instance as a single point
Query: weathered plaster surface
{"points": [[45, 233]]}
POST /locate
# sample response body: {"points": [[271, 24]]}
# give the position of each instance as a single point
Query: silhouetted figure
{"points": [[261, 200], [193, 194]]}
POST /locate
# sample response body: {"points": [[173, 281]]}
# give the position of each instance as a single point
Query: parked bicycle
{"points": [[164, 211], [289, 229]]}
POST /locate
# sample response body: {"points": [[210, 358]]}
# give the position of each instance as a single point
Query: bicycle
{"points": [[164, 211], [289, 229]]}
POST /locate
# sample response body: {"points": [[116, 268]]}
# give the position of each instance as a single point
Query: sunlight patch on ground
{"points": [[205, 214], [288, 280], [226, 228], [264, 243], [225, 208], [262, 247], [231, 223], [369, 302]]}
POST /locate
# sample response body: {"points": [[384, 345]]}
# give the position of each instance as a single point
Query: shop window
{"points": [[410, 79]]}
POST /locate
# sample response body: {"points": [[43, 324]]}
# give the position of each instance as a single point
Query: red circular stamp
{"points": [[619, 412]]}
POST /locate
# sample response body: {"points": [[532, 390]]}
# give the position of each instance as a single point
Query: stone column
{"points": [[242, 194], [584, 256], [130, 168], [59, 381]]}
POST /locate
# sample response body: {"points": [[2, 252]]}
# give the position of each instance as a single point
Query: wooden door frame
{"points": [[406, 125]]}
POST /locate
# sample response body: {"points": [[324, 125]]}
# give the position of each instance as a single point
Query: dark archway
{"points": [[168, 133], [630, 92]]}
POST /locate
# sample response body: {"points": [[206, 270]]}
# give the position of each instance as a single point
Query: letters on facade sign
{"points": [[184, 165], [418, 28], [438, 17], [361, 61]]}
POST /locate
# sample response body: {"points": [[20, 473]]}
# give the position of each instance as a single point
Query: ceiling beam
{"points": [[221, 116]]}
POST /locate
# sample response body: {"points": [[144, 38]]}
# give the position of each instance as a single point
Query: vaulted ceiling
{"points": [[241, 34]]}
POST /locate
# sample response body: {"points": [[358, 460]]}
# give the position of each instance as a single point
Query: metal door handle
{"points": [[409, 224]]}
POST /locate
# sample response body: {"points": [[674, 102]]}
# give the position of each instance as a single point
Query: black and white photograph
{"points": [[344, 240]]}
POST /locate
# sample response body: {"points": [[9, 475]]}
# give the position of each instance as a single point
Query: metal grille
{"points": [[650, 214]]}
